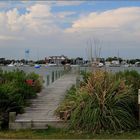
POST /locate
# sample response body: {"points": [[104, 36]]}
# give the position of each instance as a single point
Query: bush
{"points": [[15, 92], [69, 102], [131, 78], [10, 100], [105, 102], [38, 81], [85, 76]]}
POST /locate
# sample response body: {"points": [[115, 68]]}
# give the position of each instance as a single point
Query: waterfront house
{"points": [[79, 61], [56, 59]]}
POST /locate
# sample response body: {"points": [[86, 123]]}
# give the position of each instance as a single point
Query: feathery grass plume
{"points": [[103, 103]]}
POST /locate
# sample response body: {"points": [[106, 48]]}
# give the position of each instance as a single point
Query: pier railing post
{"points": [[52, 76], [48, 80], [56, 75], [139, 105], [62, 72], [78, 69], [59, 74], [77, 81], [12, 118]]}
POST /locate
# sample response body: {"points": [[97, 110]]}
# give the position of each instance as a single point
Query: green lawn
{"points": [[53, 133]]}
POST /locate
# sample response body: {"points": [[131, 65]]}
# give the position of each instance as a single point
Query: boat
{"points": [[100, 64], [115, 63], [127, 65], [50, 65], [11, 65], [137, 64], [37, 66], [21, 64]]}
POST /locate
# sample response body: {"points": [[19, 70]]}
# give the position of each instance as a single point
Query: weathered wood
{"points": [[77, 81], [52, 76], [12, 117], [48, 80], [41, 113], [139, 104], [56, 75]]}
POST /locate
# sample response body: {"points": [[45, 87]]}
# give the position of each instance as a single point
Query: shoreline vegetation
{"points": [[16, 90], [103, 105], [103, 102]]}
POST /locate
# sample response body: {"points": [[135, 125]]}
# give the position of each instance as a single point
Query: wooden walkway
{"points": [[41, 113]]}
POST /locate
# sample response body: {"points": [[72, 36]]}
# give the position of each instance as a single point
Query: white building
{"points": [[56, 59]]}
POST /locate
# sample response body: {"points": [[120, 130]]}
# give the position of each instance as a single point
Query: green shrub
{"points": [[131, 78], [85, 76], [69, 102], [15, 92], [104, 103], [10, 101], [16, 75], [38, 81]]}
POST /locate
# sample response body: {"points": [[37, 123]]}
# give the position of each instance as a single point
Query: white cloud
{"points": [[10, 38], [38, 10], [117, 29], [116, 18], [38, 30], [37, 19]]}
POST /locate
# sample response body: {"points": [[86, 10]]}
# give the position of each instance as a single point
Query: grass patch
{"points": [[102, 102], [53, 133]]}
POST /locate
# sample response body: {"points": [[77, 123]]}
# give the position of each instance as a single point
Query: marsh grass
{"points": [[103, 103]]}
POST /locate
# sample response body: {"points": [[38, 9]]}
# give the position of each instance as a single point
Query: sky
{"points": [[50, 28]]}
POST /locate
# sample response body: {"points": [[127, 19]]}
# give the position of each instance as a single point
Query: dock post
{"points": [[12, 118], [139, 105], [52, 76], [56, 75], [61, 72], [77, 81], [48, 80], [78, 69]]}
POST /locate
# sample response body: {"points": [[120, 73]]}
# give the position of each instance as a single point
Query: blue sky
{"points": [[93, 6], [55, 28], [85, 7]]}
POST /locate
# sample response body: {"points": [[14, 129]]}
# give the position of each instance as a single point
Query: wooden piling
{"points": [[52, 76], [139, 105], [48, 80], [56, 75], [12, 118]]}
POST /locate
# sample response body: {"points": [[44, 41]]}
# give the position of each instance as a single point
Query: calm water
{"points": [[43, 71], [115, 69]]}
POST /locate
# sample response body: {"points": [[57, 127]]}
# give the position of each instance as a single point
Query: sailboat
{"points": [[11, 65], [37, 66]]}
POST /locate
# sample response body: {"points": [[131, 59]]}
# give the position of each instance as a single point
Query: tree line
{"points": [[77, 60]]}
